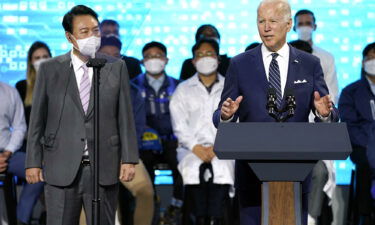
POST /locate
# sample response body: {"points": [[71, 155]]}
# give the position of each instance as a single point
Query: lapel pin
{"points": [[296, 61]]}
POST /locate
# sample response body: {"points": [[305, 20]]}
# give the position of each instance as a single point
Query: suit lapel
{"points": [[260, 72], [293, 68], [104, 73], [72, 89]]}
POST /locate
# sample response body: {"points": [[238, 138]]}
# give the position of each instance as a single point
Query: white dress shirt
{"points": [[77, 64], [283, 61], [12, 119], [191, 108], [78, 70], [327, 61]]}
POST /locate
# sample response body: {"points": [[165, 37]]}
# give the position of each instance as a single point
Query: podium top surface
{"points": [[282, 141]]}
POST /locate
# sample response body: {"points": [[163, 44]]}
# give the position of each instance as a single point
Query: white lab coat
{"points": [[327, 62], [191, 109]]}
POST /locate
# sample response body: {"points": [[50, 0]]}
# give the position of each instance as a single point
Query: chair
{"points": [[8, 186]]}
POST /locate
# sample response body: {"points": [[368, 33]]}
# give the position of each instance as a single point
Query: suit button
{"points": [[82, 139]]}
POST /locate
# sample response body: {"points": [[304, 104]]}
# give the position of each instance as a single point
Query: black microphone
{"points": [[271, 103], [290, 101], [96, 62]]}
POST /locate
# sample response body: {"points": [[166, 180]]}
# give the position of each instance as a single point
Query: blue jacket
{"points": [[246, 76], [355, 110], [139, 110], [157, 104]]}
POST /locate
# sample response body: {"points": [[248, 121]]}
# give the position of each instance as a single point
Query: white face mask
{"points": [[154, 66], [37, 63], [206, 65], [304, 33], [88, 46], [369, 67]]}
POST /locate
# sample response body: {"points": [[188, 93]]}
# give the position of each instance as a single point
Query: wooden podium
{"points": [[282, 155]]}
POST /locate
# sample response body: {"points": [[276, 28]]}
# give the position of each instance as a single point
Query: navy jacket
{"points": [[246, 76], [355, 110], [157, 104]]}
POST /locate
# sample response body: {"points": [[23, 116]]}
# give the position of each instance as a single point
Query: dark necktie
{"points": [[274, 78]]}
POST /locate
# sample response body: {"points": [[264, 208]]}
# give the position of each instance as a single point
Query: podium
{"points": [[282, 155]]}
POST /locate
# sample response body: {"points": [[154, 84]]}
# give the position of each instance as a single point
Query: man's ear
{"points": [[166, 60], [314, 27], [67, 35]]}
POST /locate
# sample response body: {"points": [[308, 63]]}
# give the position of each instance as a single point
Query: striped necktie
{"points": [[84, 88], [274, 78]]}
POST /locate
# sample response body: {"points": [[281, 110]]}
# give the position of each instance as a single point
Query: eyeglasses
{"points": [[157, 56], [201, 54]]}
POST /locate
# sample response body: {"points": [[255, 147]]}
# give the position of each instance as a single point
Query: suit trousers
{"points": [[64, 204]]}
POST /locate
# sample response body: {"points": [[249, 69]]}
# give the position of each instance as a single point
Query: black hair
{"points": [[303, 12], [368, 48], [202, 28], [109, 22], [35, 46], [302, 45], [155, 44], [252, 45], [110, 40], [77, 11], [211, 42]]}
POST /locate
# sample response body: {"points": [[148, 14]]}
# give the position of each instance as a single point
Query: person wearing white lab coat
{"points": [[206, 178]]}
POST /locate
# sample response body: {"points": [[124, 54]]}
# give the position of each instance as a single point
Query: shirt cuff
{"points": [[326, 119], [226, 121]]}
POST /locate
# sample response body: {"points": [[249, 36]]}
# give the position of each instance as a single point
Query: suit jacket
{"points": [[355, 110], [246, 76], [59, 127]]}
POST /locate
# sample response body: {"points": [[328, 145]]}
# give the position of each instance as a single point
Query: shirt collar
{"points": [[76, 62], [151, 79], [283, 51]]}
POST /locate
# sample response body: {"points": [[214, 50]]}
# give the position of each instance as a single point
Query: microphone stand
{"points": [[96, 64]]}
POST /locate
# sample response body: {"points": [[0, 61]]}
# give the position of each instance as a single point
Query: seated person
{"points": [[206, 178], [205, 31]]}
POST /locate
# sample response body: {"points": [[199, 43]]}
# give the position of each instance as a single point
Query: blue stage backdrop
{"points": [[344, 28]]}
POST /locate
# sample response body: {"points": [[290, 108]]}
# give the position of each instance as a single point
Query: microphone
{"points": [[271, 103], [290, 105], [96, 62], [290, 102]]}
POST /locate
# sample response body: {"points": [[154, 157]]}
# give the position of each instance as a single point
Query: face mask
{"points": [[154, 66], [37, 63], [304, 33], [206, 65], [88, 46], [369, 67]]}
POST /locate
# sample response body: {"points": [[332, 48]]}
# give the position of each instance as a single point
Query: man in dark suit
{"points": [[60, 140], [273, 64]]}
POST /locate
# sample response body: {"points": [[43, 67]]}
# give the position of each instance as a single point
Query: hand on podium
{"points": [[230, 107]]}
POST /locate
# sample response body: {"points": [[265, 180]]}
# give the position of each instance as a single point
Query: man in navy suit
{"points": [[273, 64]]}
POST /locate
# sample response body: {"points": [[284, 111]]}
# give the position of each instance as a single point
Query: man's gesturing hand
{"points": [[323, 105], [229, 107]]}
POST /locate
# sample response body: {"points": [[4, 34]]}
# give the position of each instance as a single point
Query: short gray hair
{"points": [[282, 5]]}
